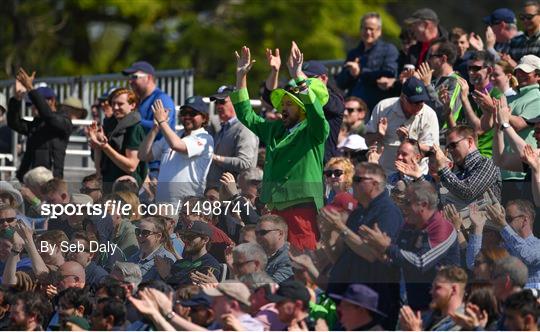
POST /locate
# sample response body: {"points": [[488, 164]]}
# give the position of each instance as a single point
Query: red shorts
{"points": [[302, 223]]}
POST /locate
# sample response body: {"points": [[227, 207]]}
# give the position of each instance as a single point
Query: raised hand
{"points": [[375, 238], [476, 42], [228, 188], [295, 61], [502, 111], [484, 100], [506, 57], [490, 38], [273, 60], [402, 132], [452, 214], [472, 319], [374, 153], [382, 126], [353, 67], [478, 218], [464, 87], [160, 113], [333, 219], [531, 157], [497, 215], [440, 158], [409, 320], [425, 73], [243, 62], [413, 170], [26, 80]]}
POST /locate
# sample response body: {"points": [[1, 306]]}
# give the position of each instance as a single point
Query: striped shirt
{"points": [[527, 249], [522, 45]]}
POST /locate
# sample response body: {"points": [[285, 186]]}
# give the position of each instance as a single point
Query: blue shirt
{"points": [[147, 116], [527, 249], [147, 265]]}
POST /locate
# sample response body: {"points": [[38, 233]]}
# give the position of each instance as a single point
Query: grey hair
{"points": [[424, 191], [514, 268], [131, 272], [524, 206], [36, 177], [374, 169], [256, 280], [371, 15], [277, 221], [251, 251]]}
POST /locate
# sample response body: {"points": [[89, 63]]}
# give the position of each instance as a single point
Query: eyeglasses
{"points": [[453, 145], [143, 232], [189, 113], [7, 220], [436, 55], [527, 17], [137, 76], [220, 101], [475, 69], [510, 219], [358, 179], [333, 172], [85, 190], [263, 232]]}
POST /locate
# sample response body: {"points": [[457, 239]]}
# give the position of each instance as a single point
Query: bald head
{"points": [[71, 275]]}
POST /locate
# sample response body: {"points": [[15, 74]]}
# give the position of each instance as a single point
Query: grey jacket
{"points": [[239, 147]]}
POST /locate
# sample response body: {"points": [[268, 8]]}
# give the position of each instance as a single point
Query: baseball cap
{"points": [[196, 103], [423, 14], [200, 299], [107, 93], [353, 142], [79, 321], [43, 91], [361, 296], [143, 66], [253, 174], [222, 92], [528, 63], [81, 199], [290, 290], [415, 90], [500, 15], [343, 202], [231, 288], [314, 68], [197, 227]]}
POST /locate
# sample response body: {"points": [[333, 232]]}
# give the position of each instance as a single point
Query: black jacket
{"points": [[413, 55], [48, 135]]}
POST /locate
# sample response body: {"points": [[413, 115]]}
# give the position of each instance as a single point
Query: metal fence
{"points": [[177, 83]]}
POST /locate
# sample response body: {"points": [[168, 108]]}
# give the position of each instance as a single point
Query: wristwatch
{"points": [[170, 315], [505, 125], [345, 232]]}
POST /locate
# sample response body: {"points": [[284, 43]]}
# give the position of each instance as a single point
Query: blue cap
{"points": [[107, 93], [196, 103], [314, 68], [200, 299], [415, 90], [143, 66], [44, 91], [362, 296], [500, 15]]}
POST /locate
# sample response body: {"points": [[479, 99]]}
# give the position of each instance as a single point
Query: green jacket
{"points": [[294, 160]]}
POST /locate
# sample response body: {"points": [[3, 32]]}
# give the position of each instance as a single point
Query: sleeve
{"points": [[371, 125], [334, 106], [473, 248], [57, 121], [519, 247], [195, 145], [14, 119], [246, 146], [430, 131], [530, 111], [390, 221], [423, 260], [158, 147], [344, 79], [135, 136], [480, 178], [388, 67], [317, 126], [247, 115], [283, 272]]}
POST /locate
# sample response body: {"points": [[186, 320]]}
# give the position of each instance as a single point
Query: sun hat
{"points": [[315, 85]]}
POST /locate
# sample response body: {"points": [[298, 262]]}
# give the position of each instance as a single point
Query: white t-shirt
{"points": [[183, 174], [423, 127]]}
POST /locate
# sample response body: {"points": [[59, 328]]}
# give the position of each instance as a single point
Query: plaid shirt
{"points": [[522, 45], [471, 180], [527, 249]]}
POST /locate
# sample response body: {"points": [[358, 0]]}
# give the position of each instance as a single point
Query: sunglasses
{"points": [[335, 172], [453, 145], [352, 109], [7, 220], [143, 232], [189, 236], [137, 76], [527, 17], [475, 69], [263, 232], [358, 179]]}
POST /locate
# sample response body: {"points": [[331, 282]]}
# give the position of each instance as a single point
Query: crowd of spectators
{"points": [[402, 193]]}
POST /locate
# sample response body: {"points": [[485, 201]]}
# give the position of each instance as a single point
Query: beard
{"points": [[439, 304], [194, 248]]}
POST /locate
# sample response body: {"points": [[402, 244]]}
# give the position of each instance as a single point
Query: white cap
{"points": [[529, 63], [353, 142]]}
